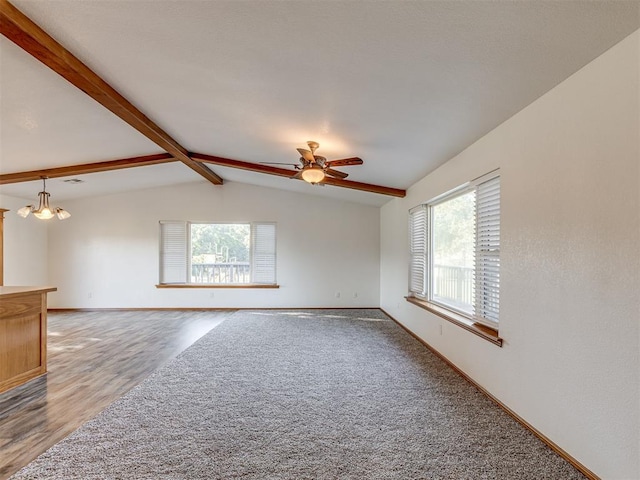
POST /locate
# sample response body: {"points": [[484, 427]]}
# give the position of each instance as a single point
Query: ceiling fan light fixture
{"points": [[313, 174]]}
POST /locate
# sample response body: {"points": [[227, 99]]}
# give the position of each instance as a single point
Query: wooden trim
{"points": [[209, 285], [146, 309], [71, 170], [203, 309], [482, 331], [2, 210], [309, 308], [21, 379], [283, 172], [25, 33], [575, 463]]}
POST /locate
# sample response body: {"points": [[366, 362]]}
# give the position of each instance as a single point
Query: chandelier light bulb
{"points": [[44, 214]]}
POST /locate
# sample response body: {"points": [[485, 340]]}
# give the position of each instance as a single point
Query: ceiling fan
{"points": [[314, 168]]}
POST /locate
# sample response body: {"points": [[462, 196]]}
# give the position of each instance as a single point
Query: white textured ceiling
{"points": [[404, 85]]}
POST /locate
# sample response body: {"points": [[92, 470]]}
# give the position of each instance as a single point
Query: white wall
{"points": [[108, 249], [25, 245], [570, 293]]}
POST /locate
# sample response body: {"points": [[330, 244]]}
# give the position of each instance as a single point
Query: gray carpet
{"points": [[332, 394]]}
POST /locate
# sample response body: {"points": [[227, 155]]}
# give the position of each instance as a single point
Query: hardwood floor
{"points": [[94, 358]]}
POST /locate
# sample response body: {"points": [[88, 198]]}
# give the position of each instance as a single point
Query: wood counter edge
{"points": [[6, 292]]}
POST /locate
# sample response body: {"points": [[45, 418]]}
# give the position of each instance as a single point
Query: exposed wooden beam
{"points": [[252, 167], [283, 172], [18, 28], [30, 37], [366, 187], [71, 170]]}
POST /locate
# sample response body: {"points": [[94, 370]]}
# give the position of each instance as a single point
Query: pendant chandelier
{"points": [[44, 210]]}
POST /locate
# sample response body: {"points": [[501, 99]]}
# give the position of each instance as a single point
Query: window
{"points": [[217, 253], [454, 251]]}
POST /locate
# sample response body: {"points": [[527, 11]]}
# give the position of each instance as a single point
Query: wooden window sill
{"points": [[482, 331], [211, 285]]}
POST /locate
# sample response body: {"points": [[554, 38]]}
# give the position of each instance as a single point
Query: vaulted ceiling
{"points": [[403, 85]]}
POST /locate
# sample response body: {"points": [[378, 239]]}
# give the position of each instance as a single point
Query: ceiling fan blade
{"points": [[306, 154], [343, 162], [297, 176], [278, 163], [336, 173]]}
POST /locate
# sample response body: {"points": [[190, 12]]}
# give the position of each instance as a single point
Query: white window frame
{"points": [[175, 255], [487, 249], [457, 192]]}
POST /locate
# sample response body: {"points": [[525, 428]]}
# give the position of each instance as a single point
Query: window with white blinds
{"points": [[454, 250], [263, 253], [217, 254], [173, 252], [418, 232], [487, 271]]}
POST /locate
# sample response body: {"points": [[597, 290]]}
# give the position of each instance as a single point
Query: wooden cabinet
{"points": [[23, 334]]}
